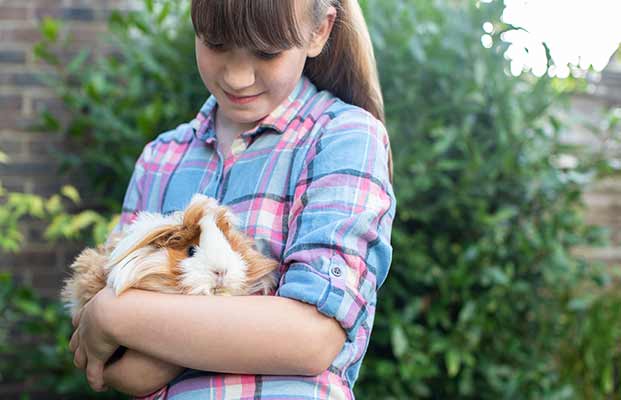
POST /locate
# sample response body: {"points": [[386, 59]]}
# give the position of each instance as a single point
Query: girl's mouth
{"points": [[241, 100]]}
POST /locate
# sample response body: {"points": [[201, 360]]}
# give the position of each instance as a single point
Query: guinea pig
{"points": [[198, 251]]}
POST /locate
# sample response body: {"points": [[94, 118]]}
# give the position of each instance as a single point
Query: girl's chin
{"points": [[246, 117]]}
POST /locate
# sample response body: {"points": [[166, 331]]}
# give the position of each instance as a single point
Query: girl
{"points": [[292, 141]]}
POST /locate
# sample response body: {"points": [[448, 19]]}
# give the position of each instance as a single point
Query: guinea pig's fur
{"points": [[198, 251]]}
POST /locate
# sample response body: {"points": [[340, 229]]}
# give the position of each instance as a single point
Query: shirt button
{"points": [[336, 271]]}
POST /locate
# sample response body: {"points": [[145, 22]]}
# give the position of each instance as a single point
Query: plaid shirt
{"points": [[310, 184]]}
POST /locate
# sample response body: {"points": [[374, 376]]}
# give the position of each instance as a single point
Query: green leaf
{"points": [[50, 28], [28, 307], [71, 193], [163, 13], [399, 341], [453, 362], [53, 205], [76, 64]]}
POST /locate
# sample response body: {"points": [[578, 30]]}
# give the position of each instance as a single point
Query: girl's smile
{"points": [[241, 99]]}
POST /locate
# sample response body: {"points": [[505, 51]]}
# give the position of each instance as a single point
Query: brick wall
{"points": [[31, 166], [603, 198]]}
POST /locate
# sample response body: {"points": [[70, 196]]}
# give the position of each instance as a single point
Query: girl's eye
{"points": [[267, 56], [191, 251], [214, 46]]}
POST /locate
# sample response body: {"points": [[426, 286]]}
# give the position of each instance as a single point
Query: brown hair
{"points": [[346, 66]]}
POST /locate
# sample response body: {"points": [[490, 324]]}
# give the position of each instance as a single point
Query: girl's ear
{"points": [[321, 34]]}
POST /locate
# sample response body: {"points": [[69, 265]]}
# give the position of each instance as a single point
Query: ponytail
{"points": [[346, 66]]}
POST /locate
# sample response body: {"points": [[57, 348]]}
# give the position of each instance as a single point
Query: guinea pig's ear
{"points": [[197, 208], [148, 229], [225, 219]]}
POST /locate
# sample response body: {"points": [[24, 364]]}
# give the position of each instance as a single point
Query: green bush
{"points": [[590, 351], [34, 332], [482, 280], [484, 298], [34, 341]]}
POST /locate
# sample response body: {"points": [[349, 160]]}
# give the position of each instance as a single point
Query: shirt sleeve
{"points": [[338, 249], [133, 201]]}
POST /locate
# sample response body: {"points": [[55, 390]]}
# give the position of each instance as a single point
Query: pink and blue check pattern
{"points": [[310, 184]]}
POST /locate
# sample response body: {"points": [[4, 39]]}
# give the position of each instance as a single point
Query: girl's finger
{"points": [[94, 375], [76, 319], [79, 358], [74, 343]]}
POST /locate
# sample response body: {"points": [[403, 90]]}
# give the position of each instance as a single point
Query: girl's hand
{"points": [[91, 344], [138, 374]]}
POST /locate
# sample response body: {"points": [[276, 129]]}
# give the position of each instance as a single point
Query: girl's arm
{"points": [[237, 334], [139, 374]]}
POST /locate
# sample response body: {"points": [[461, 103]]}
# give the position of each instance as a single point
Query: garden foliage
{"points": [[34, 341], [484, 299], [34, 332], [119, 101], [483, 284]]}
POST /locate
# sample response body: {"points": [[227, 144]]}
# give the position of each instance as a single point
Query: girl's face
{"points": [[248, 85], [251, 84]]}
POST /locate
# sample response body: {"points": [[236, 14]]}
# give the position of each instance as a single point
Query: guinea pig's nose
{"points": [[219, 277]]}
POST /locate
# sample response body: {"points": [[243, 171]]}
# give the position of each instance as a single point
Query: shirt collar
{"points": [[278, 120]]}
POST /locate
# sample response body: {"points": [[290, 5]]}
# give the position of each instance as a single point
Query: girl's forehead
{"points": [[261, 24]]}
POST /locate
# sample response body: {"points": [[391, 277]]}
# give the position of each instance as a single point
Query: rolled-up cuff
{"points": [[328, 291]]}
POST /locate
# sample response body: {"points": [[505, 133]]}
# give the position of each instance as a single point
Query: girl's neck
{"points": [[224, 123], [227, 131]]}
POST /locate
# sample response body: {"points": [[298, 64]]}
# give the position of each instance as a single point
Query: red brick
{"points": [[20, 34], [47, 188], [8, 13], [79, 14], [27, 169], [47, 10], [15, 57], [42, 261], [10, 104], [14, 183], [22, 79], [12, 147], [53, 105], [18, 122], [42, 281], [43, 148], [90, 34]]}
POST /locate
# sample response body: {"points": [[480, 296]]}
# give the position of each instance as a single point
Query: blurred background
{"points": [[505, 122]]}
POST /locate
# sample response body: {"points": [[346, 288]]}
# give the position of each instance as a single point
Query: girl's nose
{"points": [[239, 75]]}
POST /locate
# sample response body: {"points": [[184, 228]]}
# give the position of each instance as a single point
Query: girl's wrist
{"points": [[104, 308]]}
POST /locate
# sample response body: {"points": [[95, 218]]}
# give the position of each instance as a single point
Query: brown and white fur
{"points": [[197, 251]]}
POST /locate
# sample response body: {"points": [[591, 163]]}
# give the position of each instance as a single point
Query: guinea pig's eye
{"points": [[191, 251]]}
